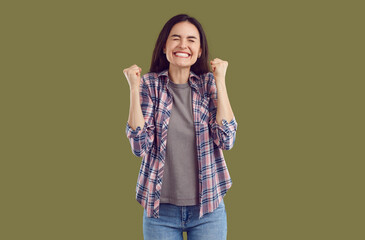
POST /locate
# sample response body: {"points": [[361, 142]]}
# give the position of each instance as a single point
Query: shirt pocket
{"points": [[204, 110]]}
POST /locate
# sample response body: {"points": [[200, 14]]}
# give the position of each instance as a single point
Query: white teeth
{"points": [[182, 54]]}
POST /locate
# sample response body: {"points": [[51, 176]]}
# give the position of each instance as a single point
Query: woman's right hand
{"points": [[133, 75]]}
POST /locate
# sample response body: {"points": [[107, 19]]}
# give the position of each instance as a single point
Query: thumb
{"points": [[139, 71]]}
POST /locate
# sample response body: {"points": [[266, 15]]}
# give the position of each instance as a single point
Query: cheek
{"points": [[197, 49]]}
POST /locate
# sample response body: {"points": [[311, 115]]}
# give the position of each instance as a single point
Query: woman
{"points": [[180, 120]]}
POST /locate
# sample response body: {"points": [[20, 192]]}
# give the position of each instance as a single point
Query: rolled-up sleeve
{"points": [[223, 136], [141, 139]]}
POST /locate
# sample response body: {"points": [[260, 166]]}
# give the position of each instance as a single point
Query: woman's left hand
{"points": [[219, 68]]}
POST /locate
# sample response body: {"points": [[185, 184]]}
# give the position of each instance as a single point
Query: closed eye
{"points": [[178, 39]]}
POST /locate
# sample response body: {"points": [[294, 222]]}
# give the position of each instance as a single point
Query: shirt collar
{"points": [[192, 75]]}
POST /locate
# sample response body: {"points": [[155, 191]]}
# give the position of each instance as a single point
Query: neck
{"points": [[179, 75]]}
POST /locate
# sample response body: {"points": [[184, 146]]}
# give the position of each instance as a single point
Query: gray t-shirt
{"points": [[180, 183]]}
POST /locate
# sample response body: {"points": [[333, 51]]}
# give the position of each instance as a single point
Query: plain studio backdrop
{"points": [[295, 82]]}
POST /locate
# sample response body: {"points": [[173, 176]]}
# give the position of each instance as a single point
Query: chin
{"points": [[183, 65]]}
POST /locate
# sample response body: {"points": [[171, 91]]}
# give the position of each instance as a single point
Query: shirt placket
{"points": [[196, 115], [163, 143]]}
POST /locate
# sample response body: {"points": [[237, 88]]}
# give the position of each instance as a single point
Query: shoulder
{"points": [[151, 82], [207, 82], [208, 78], [207, 75], [149, 77]]}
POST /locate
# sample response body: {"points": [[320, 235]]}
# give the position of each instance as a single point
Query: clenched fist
{"points": [[219, 68], [133, 75]]}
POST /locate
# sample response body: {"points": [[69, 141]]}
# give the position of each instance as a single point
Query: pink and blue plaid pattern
{"points": [[149, 142]]}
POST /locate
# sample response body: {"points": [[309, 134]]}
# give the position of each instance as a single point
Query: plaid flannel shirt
{"points": [[149, 142]]}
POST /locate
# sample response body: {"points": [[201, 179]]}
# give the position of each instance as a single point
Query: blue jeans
{"points": [[174, 220]]}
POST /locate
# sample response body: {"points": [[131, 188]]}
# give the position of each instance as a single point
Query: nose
{"points": [[182, 43]]}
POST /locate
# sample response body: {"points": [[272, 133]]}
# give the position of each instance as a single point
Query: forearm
{"points": [[135, 117], [224, 109]]}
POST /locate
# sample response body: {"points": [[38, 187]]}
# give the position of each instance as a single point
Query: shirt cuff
{"points": [[228, 127], [131, 133]]}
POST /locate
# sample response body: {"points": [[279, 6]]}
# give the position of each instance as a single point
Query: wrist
{"points": [[220, 82], [134, 89]]}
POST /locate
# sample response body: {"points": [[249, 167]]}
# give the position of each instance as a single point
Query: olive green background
{"points": [[295, 82]]}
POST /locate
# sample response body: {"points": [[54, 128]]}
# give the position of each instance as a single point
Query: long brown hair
{"points": [[159, 61]]}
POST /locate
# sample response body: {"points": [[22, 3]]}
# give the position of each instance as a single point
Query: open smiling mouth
{"points": [[182, 55]]}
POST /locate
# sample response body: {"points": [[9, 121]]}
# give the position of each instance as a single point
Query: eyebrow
{"points": [[176, 35]]}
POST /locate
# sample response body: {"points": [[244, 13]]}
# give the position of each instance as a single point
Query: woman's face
{"points": [[183, 45]]}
